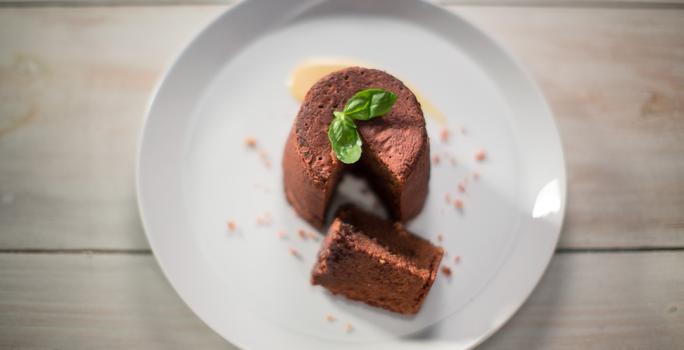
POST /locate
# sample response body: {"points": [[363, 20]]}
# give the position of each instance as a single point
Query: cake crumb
{"points": [[301, 233], [447, 197], [439, 238], [446, 271], [480, 155], [457, 258], [458, 204], [461, 187], [313, 235], [281, 234], [435, 159], [476, 175], [330, 318], [375, 239], [263, 154], [231, 225], [293, 251], [398, 225], [382, 261], [348, 327], [444, 134], [267, 164], [250, 142]]}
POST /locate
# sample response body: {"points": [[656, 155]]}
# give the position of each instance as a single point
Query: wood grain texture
{"points": [[74, 84], [600, 301], [94, 302], [615, 82]]}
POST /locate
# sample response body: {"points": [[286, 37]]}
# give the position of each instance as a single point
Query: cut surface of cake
{"points": [[369, 259], [395, 157]]}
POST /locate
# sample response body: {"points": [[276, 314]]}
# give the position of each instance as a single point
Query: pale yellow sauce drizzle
{"points": [[311, 70]]}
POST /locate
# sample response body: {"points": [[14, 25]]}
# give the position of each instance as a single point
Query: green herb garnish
{"points": [[367, 104]]}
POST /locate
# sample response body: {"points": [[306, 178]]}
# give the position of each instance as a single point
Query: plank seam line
{"points": [[469, 3], [149, 251]]}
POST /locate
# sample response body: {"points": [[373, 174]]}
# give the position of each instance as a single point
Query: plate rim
{"points": [[300, 6]]}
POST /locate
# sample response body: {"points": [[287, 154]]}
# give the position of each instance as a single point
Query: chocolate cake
{"points": [[368, 259], [395, 156]]}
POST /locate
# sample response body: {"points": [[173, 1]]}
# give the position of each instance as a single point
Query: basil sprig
{"points": [[367, 104]]}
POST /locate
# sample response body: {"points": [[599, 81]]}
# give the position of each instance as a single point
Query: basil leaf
{"points": [[369, 104], [381, 103], [345, 139]]}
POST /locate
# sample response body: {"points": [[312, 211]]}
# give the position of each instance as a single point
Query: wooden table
{"points": [[77, 272]]}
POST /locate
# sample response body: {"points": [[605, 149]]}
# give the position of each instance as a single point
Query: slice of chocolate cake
{"points": [[395, 158], [368, 259]]}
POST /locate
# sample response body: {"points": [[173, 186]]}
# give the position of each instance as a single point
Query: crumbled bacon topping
{"points": [[480, 155], [250, 141], [231, 225], [330, 318], [458, 204]]}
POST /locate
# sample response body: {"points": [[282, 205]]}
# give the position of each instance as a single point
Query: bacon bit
{"points": [[447, 197], [281, 234], [476, 175], [250, 142], [461, 187], [267, 164], [382, 261], [260, 220], [435, 159], [262, 153], [446, 271], [293, 252], [348, 327], [457, 258], [330, 318], [480, 155], [439, 238], [444, 134], [301, 233], [231, 225], [458, 204]]}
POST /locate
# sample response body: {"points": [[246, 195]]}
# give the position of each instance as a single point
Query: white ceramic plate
{"points": [[195, 174]]}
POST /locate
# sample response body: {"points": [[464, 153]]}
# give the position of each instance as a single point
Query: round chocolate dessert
{"points": [[395, 157]]}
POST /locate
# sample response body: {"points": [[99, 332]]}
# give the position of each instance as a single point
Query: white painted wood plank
{"points": [[107, 301], [615, 81], [74, 84]]}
